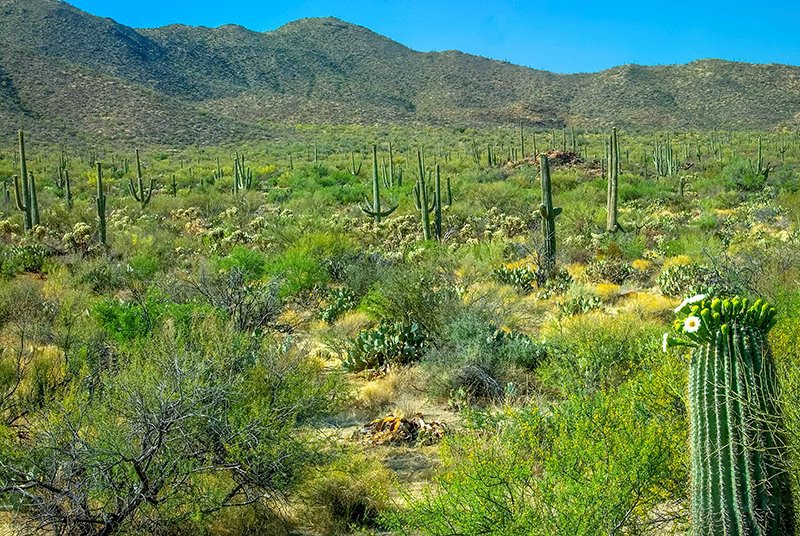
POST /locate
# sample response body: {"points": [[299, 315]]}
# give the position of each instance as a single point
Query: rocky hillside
{"points": [[66, 73]]}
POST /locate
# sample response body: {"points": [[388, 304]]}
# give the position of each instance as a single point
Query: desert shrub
{"points": [[740, 175], [351, 492], [686, 280], [188, 424], [421, 294], [129, 321], [613, 270], [302, 267], [474, 361], [579, 299], [521, 278], [598, 351], [26, 256], [253, 306], [100, 274], [249, 262], [555, 285], [599, 464], [386, 346]]}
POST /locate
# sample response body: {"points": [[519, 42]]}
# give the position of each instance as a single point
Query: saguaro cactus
{"points": [[100, 201], [758, 167], [613, 183], [242, 176], [422, 199], [354, 171], [138, 190], [739, 485], [63, 181], [374, 210], [548, 213], [437, 203], [25, 193]]}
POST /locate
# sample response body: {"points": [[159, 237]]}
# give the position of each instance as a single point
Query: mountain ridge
{"points": [[65, 72]]}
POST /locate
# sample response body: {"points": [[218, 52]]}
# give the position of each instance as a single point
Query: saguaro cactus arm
{"points": [[373, 210]]}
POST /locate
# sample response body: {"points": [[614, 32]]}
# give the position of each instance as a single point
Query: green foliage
{"points": [[419, 294], [475, 361], [598, 352], [579, 299], [27, 256], [522, 278], [686, 280], [592, 465], [616, 271], [740, 175], [183, 425], [351, 492], [386, 346], [250, 262], [339, 301]]}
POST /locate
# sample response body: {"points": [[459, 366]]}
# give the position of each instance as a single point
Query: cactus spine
{"points": [[138, 190], [613, 183], [740, 485], [548, 214], [100, 201], [374, 210], [25, 194]]}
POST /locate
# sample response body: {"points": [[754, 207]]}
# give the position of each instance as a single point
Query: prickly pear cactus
{"points": [[740, 485]]}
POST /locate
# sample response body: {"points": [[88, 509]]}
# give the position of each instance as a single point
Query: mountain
{"points": [[66, 73]]}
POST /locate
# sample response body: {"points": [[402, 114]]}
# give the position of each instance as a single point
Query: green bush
{"points": [[26, 256], [474, 361], [616, 271], [422, 294], [339, 301], [686, 280], [250, 262], [522, 278], [600, 464], [598, 351], [184, 426], [386, 346]]}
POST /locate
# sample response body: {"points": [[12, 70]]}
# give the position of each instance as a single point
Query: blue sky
{"points": [[560, 36]]}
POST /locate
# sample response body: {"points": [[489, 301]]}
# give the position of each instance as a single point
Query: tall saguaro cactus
{"points": [[422, 199], [548, 214], [138, 190], [242, 176], [374, 210], [25, 189], [100, 202], [613, 183], [740, 485]]}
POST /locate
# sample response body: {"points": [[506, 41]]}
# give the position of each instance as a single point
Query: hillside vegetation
{"points": [[312, 335], [65, 73]]}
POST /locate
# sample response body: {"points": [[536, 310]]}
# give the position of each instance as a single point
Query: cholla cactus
{"points": [[739, 480]]}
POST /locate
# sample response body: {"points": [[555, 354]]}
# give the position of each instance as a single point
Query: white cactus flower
{"points": [[691, 324]]}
